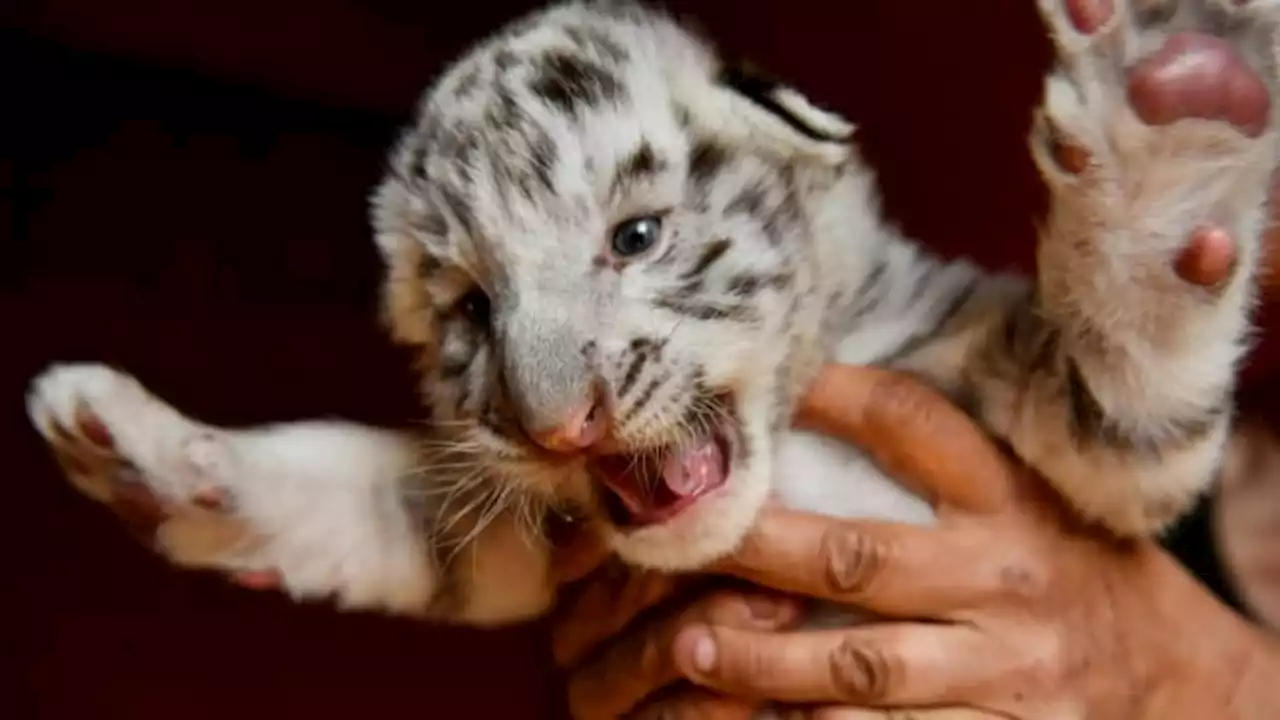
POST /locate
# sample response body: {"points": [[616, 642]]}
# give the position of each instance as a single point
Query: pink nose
{"points": [[584, 426]]}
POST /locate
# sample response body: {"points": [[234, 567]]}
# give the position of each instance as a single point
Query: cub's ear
{"points": [[749, 105], [406, 309], [786, 103]]}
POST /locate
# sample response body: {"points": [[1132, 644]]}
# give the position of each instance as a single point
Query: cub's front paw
{"points": [[1156, 137], [313, 509], [166, 477]]}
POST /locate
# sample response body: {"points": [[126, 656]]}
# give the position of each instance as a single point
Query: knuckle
{"points": [[853, 561], [900, 401], [860, 674], [902, 396], [1022, 582]]}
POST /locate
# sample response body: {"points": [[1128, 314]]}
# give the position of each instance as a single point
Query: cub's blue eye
{"points": [[634, 236]]}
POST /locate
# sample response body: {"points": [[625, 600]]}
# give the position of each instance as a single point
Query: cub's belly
{"points": [[819, 474]]}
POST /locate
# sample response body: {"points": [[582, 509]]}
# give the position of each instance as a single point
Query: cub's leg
{"points": [[1157, 141], [332, 509]]}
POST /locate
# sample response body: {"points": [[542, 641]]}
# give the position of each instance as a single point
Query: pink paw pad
{"points": [[136, 506], [258, 579], [1208, 258], [1199, 76], [1089, 15]]}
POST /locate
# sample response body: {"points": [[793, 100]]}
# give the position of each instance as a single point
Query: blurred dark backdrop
{"points": [[185, 186]]}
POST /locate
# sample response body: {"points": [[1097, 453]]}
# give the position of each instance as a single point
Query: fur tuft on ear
{"points": [[788, 104], [406, 310], [747, 106]]}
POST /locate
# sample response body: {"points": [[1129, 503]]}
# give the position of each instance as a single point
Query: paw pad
{"points": [[1209, 257], [136, 506], [1071, 158], [212, 499], [1089, 15], [1199, 76], [91, 428], [258, 579]]}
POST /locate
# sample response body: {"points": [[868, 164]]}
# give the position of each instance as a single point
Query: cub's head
{"points": [[598, 237]]}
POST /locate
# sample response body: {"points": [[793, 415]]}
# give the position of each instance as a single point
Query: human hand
{"points": [[1029, 613], [1246, 518]]}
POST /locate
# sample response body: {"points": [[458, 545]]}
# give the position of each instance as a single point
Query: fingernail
{"points": [[704, 653]]}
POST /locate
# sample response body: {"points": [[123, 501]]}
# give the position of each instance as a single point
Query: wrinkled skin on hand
{"points": [[1032, 615]]}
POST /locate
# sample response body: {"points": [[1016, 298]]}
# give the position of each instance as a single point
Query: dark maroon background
{"points": [[186, 182]]}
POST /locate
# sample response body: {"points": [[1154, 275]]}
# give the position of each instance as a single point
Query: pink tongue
{"points": [[686, 473], [693, 469]]}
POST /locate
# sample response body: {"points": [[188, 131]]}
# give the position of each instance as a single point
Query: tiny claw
{"points": [[93, 429], [258, 579], [1072, 158]]}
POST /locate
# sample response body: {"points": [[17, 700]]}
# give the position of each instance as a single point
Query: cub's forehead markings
{"points": [[504, 59], [458, 207], [427, 266], [496, 142], [711, 252], [642, 164], [706, 159], [598, 40], [468, 80], [573, 83]]}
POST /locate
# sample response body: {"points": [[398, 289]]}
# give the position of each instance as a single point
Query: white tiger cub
{"points": [[622, 262]]}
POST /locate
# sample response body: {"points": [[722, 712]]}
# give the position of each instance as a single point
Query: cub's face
{"points": [[600, 258]]}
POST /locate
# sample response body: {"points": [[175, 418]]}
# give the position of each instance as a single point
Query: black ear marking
{"points": [[766, 91]]}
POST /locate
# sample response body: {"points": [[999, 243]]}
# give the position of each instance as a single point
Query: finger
{"points": [[868, 666], [606, 604], [642, 662], [915, 434], [889, 569], [696, 705]]}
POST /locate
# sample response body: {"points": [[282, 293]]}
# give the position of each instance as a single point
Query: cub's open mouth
{"points": [[654, 486]]}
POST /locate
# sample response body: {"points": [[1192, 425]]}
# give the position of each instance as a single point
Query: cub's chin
{"points": [[693, 504]]}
